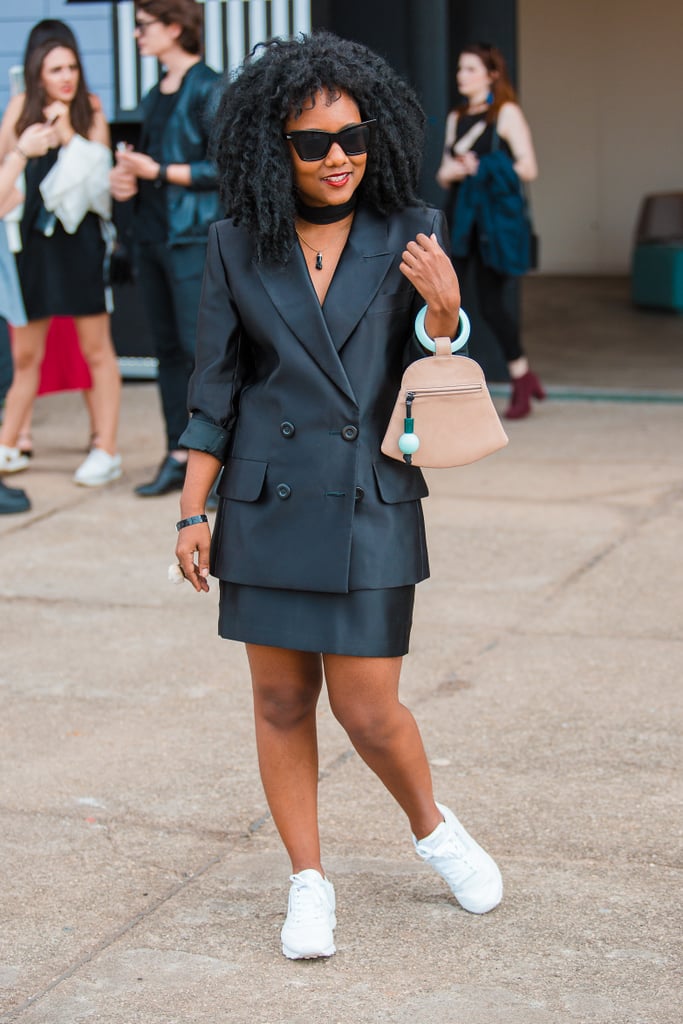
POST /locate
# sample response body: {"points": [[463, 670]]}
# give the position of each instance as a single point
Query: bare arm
{"points": [[514, 128], [146, 167], [99, 129], [7, 128]]}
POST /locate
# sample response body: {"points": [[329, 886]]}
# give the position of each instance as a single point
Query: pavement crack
{"points": [[639, 519], [110, 940]]}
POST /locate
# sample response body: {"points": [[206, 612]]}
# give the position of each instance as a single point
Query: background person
{"points": [[489, 107], [35, 141], [61, 253], [310, 296], [174, 185], [72, 370]]}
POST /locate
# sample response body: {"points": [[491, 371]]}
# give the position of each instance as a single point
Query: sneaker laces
{"points": [[307, 901], [449, 856], [448, 845]]}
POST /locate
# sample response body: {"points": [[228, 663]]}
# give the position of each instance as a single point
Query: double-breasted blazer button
{"points": [[283, 491], [349, 432], [360, 493], [287, 429]]}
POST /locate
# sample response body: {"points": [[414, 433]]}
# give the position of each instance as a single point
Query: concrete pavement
{"points": [[142, 879]]}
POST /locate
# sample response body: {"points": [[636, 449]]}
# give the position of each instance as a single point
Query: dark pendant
{"points": [[319, 261]]}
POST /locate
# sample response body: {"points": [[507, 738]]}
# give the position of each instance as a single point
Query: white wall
{"points": [[601, 82]]}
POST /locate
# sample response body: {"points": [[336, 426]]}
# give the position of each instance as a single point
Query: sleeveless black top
{"points": [[483, 145], [485, 142]]}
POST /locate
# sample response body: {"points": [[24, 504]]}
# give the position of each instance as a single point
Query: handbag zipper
{"points": [[456, 389], [409, 442]]}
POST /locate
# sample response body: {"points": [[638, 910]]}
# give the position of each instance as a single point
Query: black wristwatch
{"points": [[161, 178]]}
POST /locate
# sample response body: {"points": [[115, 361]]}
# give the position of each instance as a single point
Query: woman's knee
{"points": [[26, 360], [286, 685], [94, 337], [370, 727], [285, 707], [28, 349]]}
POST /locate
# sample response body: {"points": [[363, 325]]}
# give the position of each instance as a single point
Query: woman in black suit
{"points": [[310, 294]]}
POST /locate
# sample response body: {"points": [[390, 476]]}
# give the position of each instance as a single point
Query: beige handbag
{"points": [[443, 415]]}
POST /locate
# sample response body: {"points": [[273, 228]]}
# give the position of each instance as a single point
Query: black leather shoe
{"points": [[13, 500], [170, 477]]}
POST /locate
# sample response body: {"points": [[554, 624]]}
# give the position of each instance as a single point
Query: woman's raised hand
{"points": [[139, 164], [37, 139], [58, 116], [430, 271]]}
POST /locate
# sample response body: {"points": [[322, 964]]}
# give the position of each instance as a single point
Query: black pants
{"points": [[170, 281], [490, 289]]}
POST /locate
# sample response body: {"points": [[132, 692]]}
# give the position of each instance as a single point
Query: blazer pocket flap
{"points": [[398, 483], [242, 479]]}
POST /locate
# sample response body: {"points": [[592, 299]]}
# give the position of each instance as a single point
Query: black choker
{"points": [[325, 214]]}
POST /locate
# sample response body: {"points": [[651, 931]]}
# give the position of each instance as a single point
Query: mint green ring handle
{"points": [[460, 340]]}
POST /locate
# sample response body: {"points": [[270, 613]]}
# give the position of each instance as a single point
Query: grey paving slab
{"points": [[586, 331]]}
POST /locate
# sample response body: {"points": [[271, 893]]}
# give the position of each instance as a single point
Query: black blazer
{"points": [[295, 400]]}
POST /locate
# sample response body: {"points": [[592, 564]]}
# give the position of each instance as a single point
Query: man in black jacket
{"points": [[174, 187]]}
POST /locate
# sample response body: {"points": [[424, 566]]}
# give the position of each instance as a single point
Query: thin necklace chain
{"points": [[319, 253]]}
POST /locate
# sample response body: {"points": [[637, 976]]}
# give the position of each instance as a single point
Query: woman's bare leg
{"points": [[94, 336], [28, 349], [286, 686], [363, 695]]}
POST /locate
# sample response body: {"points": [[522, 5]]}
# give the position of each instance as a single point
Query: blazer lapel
{"points": [[362, 268], [291, 292]]}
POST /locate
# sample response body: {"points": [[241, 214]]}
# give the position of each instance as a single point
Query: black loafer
{"points": [[170, 477], [13, 500]]}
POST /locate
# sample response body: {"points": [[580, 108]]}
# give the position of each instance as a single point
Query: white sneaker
{"points": [[12, 460], [471, 873], [308, 930], [98, 468]]}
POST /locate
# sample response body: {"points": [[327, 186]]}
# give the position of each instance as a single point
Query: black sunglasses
{"points": [[315, 144]]}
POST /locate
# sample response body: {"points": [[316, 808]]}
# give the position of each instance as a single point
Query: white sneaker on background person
{"points": [[308, 930], [472, 875], [98, 468], [12, 460]]}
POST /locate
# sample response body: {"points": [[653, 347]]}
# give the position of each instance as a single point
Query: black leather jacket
{"points": [[190, 210]]}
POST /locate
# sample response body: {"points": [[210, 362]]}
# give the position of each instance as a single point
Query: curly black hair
{"points": [[279, 78]]}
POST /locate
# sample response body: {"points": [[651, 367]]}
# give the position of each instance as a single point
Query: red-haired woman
{"points": [[489, 118]]}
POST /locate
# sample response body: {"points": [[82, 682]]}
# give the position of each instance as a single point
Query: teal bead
{"points": [[408, 443]]}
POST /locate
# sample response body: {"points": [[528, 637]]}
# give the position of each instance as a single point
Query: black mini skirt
{"points": [[362, 623]]}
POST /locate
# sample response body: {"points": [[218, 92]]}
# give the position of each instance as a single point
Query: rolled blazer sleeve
{"points": [[214, 385]]}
